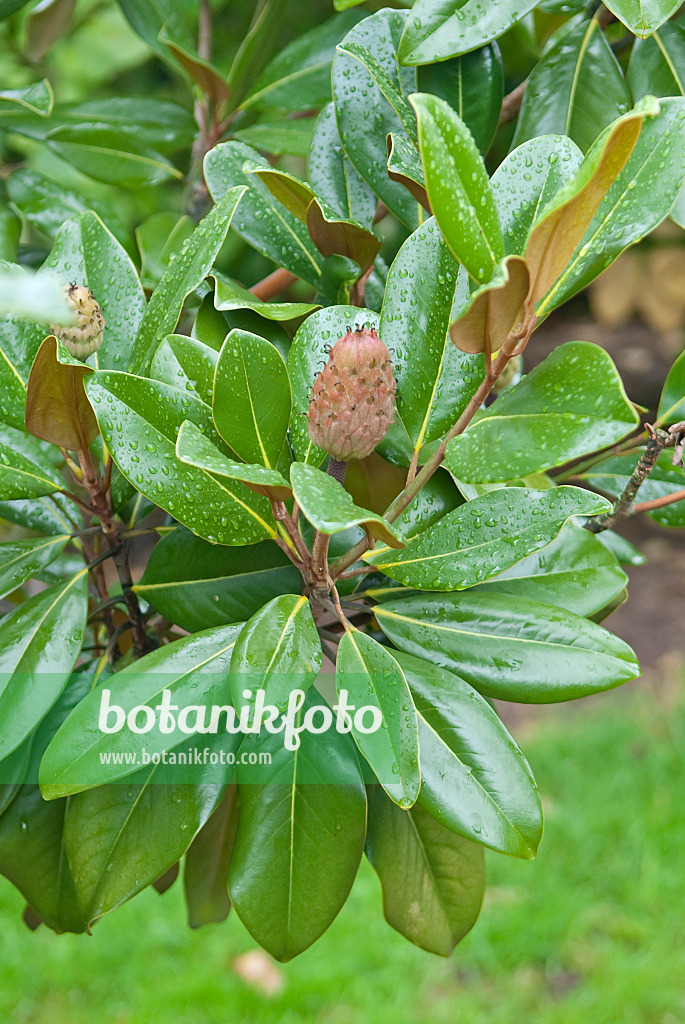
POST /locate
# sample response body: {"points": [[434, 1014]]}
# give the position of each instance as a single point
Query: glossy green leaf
{"points": [[230, 295], [278, 137], [158, 238], [473, 85], [10, 232], [189, 268], [333, 176], [516, 650], [474, 779], [527, 180], [46, 205], [140, 420], [306, 358], [85, 251], [22, 559], [299, 77], [37, 98], [252, 398], [299, 841], [111, 156], [643, 17], [186, 364], [121, 838], [404, 166], [458, 187], [212, 325], [194, 449], [371, 677], [22, 478], [365, 116], [576, 571], [277, 651], [198, 585], [577, 89], [571, 404], [657, 64], [193, 669], [205, 874], [329, 507], [39, 642], [435, 381], [672, 401], [485, 536], [331, 235], [262, 221], [210, 80], [432, 880], [53, 515], [611, 476], [439, 29]]}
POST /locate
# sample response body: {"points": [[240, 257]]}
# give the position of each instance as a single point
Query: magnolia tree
{"points": [[363, 516]]}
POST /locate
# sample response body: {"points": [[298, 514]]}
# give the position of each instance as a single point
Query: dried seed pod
{"points": [[84, 336], [353, 399]]}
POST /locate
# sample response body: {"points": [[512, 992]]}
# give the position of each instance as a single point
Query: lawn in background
{"points": [[589, 933]]}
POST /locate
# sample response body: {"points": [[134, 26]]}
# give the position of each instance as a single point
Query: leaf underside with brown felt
{"points": [[553, 240], [57, 409], [494, 311]]}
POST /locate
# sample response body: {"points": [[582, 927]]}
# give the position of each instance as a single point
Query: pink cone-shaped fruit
{"points": [[353, 399]]}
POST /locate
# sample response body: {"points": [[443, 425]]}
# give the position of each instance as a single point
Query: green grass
{"points": [[589, 933]]}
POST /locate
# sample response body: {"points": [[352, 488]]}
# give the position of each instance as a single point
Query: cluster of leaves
{"points": [[457, 563]]}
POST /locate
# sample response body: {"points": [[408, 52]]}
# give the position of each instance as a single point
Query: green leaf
{"points": [[672, 401], [571, 404], [432, 880], [120, 839], [46, 205], [330, 235], [657, 64], [485, 536], [277, 651], [262, 222], [57, 409], [458, 187], [564, 223], [577, 89], [439, 29], [252, 398], [193, 669], [194, 449], [37, 98], [329, 508], [140, 420], [299, 841], [210, 80], [279, 137], [85, 251], [435, 381], [39, 642], [365, 116], [230, 295], [189, 268], [21, 477], [22, 559], [612, 476], [111, 156], [371, 677], [404, 166], [473, 85], [198, 585], [516, 650], [205, 875], [576, 571], [333, 176], [474, 779], [158, 238], [299, 77], [527, 180], [306, 356], [186, 364], [53, 515], [643, 17]]}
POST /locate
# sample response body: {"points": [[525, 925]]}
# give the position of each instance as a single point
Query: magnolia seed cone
{"points": [[353, 399], [83, 337]]}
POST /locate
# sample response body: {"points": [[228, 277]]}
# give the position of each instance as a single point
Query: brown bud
{"points": [[83, 337]]}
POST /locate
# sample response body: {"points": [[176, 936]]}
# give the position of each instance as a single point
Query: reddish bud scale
{"points": [[353, 399]]}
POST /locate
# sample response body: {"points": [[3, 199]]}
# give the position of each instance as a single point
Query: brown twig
{"points": [[272, 285], [511, 104], [281, 515], [625, 503], [666, 499]]}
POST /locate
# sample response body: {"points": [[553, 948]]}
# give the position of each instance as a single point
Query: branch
{"points": [[667, 499], [511, 104], [625, 503], [272, 285]]}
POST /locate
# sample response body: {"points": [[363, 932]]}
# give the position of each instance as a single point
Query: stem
{"points": [[337, 470], [511, 104], [625, 503], [321, 580], [102, 507], [272, 285], [667, 499], [280, 513]]}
